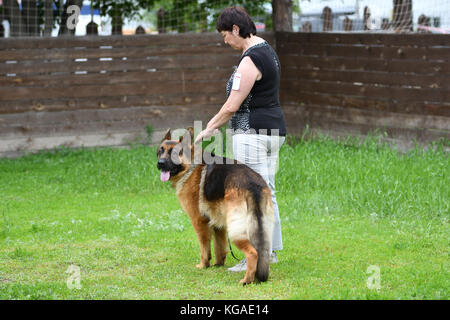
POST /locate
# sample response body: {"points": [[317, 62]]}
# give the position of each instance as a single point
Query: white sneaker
{"points": [[241, 266], [273, 257]]}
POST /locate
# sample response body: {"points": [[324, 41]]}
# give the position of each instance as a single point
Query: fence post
{"points": [[327, 17], [367, 23], [307, 27], [203, 20], [64, 30], [423, 21], [161, 21], [385, 25], [92, 29], [30, 16], [14, 16], [348, 24], [48, 17], [116, 20], [140, 30], [402, 21]]}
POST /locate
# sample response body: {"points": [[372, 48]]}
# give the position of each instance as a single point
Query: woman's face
{"points": [[231, 39]]}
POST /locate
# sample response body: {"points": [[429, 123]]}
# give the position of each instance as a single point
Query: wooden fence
{"points": [[105, 90], [357, 83]]}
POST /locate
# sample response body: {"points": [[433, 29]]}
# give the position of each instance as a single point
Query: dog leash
{"points": [[231, 250]]}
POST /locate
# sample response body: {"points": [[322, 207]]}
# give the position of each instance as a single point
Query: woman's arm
{"points": [[249, 74]]}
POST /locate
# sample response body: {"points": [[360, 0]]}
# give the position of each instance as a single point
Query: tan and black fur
{"points": [[222, 199]]}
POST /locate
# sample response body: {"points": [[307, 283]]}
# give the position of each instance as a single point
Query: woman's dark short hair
{"points": [[238, 16]]}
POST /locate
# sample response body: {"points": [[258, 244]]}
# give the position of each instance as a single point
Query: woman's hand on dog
{"points": [[208, 132]]}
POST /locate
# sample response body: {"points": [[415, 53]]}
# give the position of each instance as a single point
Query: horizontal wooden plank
{"points": [[373, 117], [367, 77], [393, 93], [115, 52], [129, 50], [186, 62], [366, 51], [185, 39], [71, 122], [394, 39], [113, 41], [399, 138], [101, 102], [34, 131], [143, 88], [20, 145], [114, 77], [376, 104], [379, 65], [334, 120]]}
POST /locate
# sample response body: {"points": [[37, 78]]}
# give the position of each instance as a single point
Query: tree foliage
{"points": [[179, 15], [202, 15]]}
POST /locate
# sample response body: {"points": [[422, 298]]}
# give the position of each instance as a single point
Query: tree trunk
{"points": [[14, 16], [31, 17], [282, 15], [402, 16], [48, 17], [64, 29]]}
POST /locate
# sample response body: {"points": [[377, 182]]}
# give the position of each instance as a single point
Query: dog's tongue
{"points": [[165, 175]]}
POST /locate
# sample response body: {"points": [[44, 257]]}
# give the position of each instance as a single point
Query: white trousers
{"points": [[260, 152]]}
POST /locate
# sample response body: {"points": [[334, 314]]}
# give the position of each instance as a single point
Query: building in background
{"points": [[380, 11]]}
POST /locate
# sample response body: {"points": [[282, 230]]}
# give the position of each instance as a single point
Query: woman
{"points": [[252, 107]]}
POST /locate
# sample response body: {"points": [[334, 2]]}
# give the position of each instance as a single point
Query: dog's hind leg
{"points": [[220, 246], [203, 232], [252, 259], [238, 229]]}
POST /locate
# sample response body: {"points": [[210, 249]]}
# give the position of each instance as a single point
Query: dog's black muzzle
{"points": [[162, 165]]}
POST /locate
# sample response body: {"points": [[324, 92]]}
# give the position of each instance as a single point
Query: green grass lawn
{"points": [[344, 206]]}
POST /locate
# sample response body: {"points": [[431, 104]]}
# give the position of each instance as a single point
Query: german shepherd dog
{"points": [[220, 198]]}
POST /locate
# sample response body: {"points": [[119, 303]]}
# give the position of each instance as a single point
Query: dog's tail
{"points": [[261, 231]]}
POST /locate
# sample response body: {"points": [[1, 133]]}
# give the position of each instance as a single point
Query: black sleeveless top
{"points": [[261, 109]]}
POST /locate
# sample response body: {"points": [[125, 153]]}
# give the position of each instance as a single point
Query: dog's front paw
{"points": [[219, 262]]}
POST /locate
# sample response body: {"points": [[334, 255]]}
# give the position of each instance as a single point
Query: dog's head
{"points": [[175, 156]]}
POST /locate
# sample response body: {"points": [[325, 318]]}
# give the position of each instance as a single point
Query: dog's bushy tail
{"points": [[261, 231]]}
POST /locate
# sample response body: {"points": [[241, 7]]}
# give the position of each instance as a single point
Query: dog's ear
{"points": [[187, 142], [167, 135], [188, 136], [191, 132]]}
